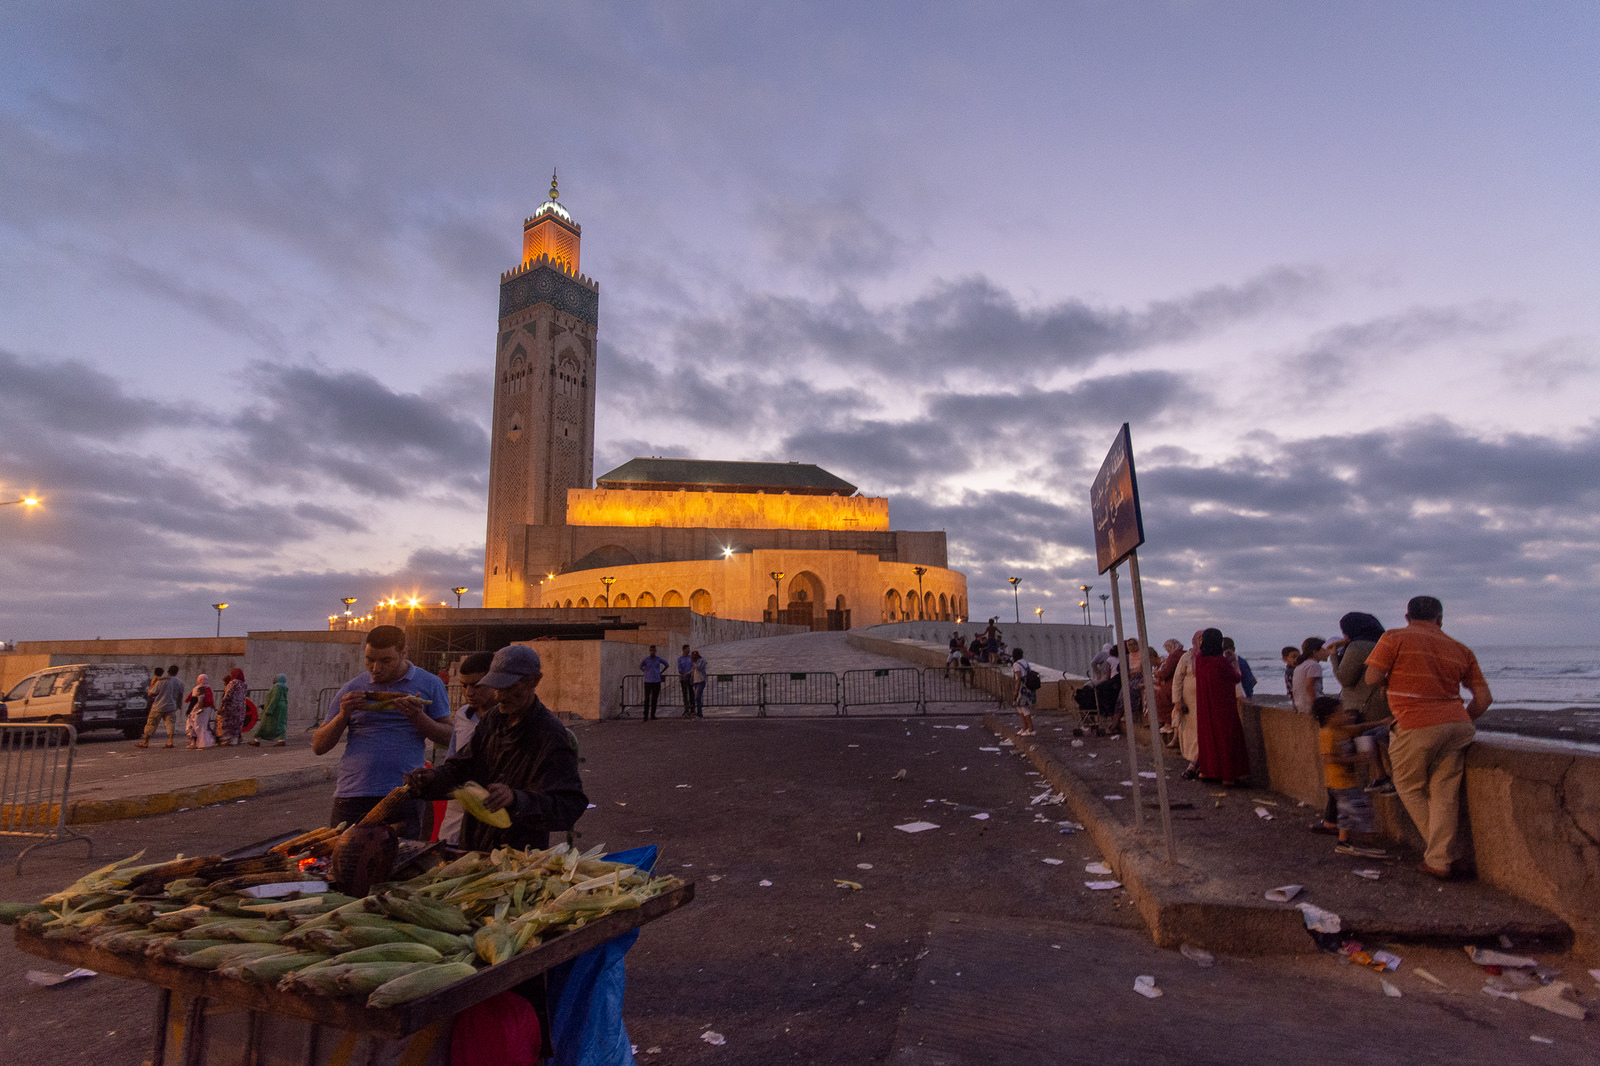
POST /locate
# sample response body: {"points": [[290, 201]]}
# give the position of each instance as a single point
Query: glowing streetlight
{"points": [[460, 592], [349, 602], [219, 607], [608, 582], [26, 501], [919, 571], [1104, 620], [1039, 612], [1085, 602], [1015, 601]]}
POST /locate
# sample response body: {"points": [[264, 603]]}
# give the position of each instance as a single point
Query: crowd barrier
{"points": [[860, 692], [35, 779]]}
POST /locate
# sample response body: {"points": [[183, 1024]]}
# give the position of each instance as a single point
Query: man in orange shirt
{"points": [[1425, 671]]}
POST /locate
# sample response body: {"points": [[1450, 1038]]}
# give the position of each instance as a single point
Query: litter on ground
{"points": [[1317, 919], [1388, 989], [1263, 814], [1199, 956], [1490, 957], [39, 977], [916, 827], [1145, 985], [1053, 862], [1101, 886], [1370, 875], [715, 1039], [1097, 868], [1284, 893]]}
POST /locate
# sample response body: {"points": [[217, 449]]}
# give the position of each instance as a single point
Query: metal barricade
{"points": [[734, 691], [324, 702], [883, 687], [671, 694], [813, 689], [35, 779], [957, 685]]}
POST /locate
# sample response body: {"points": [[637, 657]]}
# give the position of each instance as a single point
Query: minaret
{"points": [[542, 438]]}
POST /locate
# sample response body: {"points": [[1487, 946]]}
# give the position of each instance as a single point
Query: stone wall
{"points": [[314, 660], [583, 678], [1533, 807], [193, 655], [1068, 648]]}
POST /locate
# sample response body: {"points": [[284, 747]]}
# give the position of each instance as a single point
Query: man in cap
{"points": [[522, 754]]}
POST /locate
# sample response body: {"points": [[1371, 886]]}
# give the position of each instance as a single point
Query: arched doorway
{"points": [[930, 605], [583, 601], [913, 605], [891, 605], [647, 599], [673, 598], [944, 608], [622, 600], [807, 600], [700, 602]]}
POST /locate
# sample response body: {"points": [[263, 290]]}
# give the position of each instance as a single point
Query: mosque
{"points": [[782, 542]]}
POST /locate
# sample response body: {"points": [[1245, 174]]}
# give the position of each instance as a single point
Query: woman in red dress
{"points": [[1222, 752]]}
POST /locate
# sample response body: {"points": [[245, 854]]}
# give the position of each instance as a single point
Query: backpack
{"points": [[1030, 680]]}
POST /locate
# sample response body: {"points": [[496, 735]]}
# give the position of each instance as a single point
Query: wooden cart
{"points": [[204, 1018]]}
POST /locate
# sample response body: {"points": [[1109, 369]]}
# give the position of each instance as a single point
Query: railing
{"points": [[852, 692], [957, 684], [324, 700], [35, 779]]}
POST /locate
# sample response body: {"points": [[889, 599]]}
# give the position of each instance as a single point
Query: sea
{"points": [[1541, 690]]}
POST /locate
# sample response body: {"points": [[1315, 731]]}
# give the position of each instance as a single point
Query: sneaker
{"points": [[1360, 852]]}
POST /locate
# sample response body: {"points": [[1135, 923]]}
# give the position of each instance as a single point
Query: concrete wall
{"points": [[314, 660], [193, 656], [583, 678], [1533, 807], [1055, 692], [1067, 648]]}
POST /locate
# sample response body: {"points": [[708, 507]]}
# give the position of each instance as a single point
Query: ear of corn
{"points": [[365, 936], [222, 954], [272, 968], [495, 942], [425, 912], [418, 983], [263, 932], [403, 952], [471, 796]]}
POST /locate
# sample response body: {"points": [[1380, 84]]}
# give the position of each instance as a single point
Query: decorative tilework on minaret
{"points": [[542, 439]]}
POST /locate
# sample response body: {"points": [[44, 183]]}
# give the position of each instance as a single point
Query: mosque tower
{"points": [[542, 436]]}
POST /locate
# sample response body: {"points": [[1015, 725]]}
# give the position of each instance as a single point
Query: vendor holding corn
{"points": [[390, 712], [521, 753]]}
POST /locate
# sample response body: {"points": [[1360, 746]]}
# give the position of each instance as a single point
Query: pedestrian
{"points": [[1223, 756], [1184, 697], [166, 693], [686, 681], [1291, 659], [388, 739], [231, 714], [1133, 655], [200, 709], [1247, 676], [522, 754], [1027, 691], [1336, 732], [1307, 679], [1424, 672], [478, 698], [958, 649], [1367, 703], [652, 667], [1104, 665], [702, 673], [274, 714], [1164, 672]]}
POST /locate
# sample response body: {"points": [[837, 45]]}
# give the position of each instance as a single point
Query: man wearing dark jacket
{"points": [[522, 754]]}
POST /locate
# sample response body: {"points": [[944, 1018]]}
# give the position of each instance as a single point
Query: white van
{"points": [[87, 696]]}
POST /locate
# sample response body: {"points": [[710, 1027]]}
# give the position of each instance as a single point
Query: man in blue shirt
{"points": [[384, 745], [686, 681], [652, 668]]}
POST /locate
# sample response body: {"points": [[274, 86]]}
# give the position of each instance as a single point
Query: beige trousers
{"points": [[1189, 735], [1428, 764]]}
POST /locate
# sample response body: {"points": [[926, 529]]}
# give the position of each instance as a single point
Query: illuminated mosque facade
{"points": [[776, 542]]}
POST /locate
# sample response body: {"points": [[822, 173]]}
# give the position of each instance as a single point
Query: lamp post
{"points": [[349, 602], [1085, 604], [1104, 596], [1039, 611], [460, 591], [777, 592], [26, 501], [608, 582], [1015, 602], [919, 571], [220, 607]]}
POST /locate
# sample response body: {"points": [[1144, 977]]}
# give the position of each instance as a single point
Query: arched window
{"points": [[622, 599], [647, 599], [672, 599], [567, 604], [583, 601], [944, 608], [891, 605], [700, 602]]}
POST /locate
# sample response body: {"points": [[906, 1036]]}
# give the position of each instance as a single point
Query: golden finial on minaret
{"points": [[555, 194]]}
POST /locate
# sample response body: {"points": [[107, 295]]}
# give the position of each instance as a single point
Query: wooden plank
{"points": [[353, 1014]]}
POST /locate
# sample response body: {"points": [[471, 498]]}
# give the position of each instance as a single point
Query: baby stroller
{"points": [[1099, 706]]}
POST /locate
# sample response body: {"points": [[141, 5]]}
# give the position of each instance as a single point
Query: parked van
{"points": [[87, 696]]}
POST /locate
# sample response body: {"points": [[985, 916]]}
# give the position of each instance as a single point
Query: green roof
{"points": [[715, 475]]}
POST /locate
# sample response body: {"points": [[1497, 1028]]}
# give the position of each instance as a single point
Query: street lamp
{"points": [[1015, 602], [777, 592], [1040, 612], [220, 607], [349, 602], [460, 591], [1085, 604], [1104, 596], [608, 582], [26, 501], [919, 571]]}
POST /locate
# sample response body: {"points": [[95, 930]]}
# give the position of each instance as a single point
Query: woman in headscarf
{"points": [[201, 708], [1223, 755], [1183, 707], [274, 714], [1164, 671], [230, 718], [1368, 703]]}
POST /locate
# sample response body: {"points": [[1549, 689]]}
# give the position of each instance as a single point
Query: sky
{"points": [[1335, 265]]}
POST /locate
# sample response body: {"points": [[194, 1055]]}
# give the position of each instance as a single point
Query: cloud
{"points": [[830, 240], [1339, 355], [73, 397]]}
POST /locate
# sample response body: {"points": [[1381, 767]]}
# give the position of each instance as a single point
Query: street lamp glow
{"points": [[1040, 612], [26, 501], [1016, 603], [460, 592], [219, 608]]}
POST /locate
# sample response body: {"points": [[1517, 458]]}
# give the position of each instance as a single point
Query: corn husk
{"points": [[471, 796], [223, 954], [419, 983], [252, 929], [495, 942], [365, 936], [404, 952], [345, 979], [272, 968], [424, 912]]}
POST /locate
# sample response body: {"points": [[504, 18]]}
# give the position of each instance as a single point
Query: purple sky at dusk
{"points": [[1336, 264]]}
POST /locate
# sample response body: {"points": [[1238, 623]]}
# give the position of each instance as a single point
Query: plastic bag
{"points": [[585, 994]]}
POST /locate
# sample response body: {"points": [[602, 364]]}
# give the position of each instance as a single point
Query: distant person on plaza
{"points": [[1185, 695], [231, 713], [383, 745], [1247, 676], [1367, 703], [698, 677], [1223, 756], [166, 694], [478, 698], [1025, 697], [686, 681], [652, 666], [1308, 674], [1424, 672], [958, 649], [521, 753], [1337, 731], [1291, 659], [274, 714], [1134, 655], [1104, 664], [200, 710], [1164, 672]]}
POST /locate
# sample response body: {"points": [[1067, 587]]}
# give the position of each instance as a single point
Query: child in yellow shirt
{"points": [[1337, 729]]}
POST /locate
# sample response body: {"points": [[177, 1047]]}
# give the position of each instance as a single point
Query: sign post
{"points": [[1118, 532]]}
